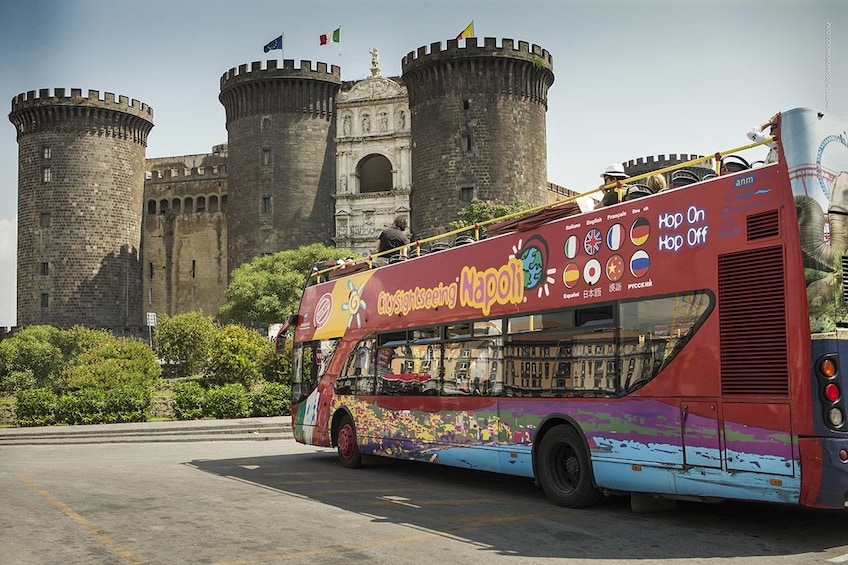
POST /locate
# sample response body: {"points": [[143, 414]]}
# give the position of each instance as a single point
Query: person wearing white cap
{"points": [[611, 175]]}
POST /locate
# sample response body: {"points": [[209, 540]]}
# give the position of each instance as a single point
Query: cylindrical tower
{"points": [[478, 127], [80, 187], [282, 162]]}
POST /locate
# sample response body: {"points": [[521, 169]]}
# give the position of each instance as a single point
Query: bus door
{"points": [[699, 420]]}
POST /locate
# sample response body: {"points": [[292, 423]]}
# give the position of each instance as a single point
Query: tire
{"points": [[564, 469], [346, 446]]}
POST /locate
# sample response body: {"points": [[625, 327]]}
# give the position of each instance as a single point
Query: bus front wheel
{"points": [[349, 454], [564, 469]]}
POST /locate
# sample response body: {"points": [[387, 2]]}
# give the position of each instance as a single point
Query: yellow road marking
{"points": [[99, 534], [325, 550]]}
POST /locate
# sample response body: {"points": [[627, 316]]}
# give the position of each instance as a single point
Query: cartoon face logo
{"points": [[533, 255], [534, 266]]}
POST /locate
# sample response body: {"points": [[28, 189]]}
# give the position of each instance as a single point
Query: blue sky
{"points": [[633, 77]]}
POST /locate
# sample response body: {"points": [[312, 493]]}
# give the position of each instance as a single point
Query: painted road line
{"points": [[96, 532]]}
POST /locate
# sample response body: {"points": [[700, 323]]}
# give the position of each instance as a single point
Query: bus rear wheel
{"points": [[564, 469], [348, 450]]}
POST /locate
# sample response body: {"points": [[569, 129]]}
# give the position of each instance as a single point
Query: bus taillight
{"points": [[831, 392], [827, 373]]}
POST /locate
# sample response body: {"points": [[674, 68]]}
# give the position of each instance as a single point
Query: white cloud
{"points": [[8, 268]]}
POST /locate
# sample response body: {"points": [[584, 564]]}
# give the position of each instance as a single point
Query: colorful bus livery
{"points": [[685, 345]]}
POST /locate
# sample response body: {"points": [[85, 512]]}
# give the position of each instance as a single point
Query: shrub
{"points": [[273, 399], [85, 406], [277, 368], [17, 380], [128, 404], [226, 401], [188, 400], [236, 356], [33, 349], [184, 340], [36, 407], [113, 363]]}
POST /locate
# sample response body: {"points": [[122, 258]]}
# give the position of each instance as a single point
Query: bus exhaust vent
{"points": [[844, 277], [763, 225], [752, 323]]}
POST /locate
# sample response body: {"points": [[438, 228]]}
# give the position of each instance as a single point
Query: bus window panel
{"points": [[455, 380], [488, 328], [656, 329], [458, 331], [548, 321], [425, 333], [304, 371], [426, 362]]}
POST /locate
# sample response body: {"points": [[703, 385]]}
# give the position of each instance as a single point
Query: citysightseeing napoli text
{"points": [[475, 289]]}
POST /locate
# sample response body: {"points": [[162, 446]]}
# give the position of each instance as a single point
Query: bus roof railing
{"points": [[352, 265]]}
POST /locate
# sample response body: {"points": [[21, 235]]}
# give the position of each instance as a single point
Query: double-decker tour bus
{"points": [[686, 345]]}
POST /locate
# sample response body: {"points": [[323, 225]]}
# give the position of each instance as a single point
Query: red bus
{"points": [[684, 345]]}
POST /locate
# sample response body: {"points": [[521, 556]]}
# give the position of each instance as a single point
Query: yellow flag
{"points": [[467, 32]]}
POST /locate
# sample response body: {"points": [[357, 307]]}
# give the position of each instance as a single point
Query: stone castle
{"points": [[107, 237]]}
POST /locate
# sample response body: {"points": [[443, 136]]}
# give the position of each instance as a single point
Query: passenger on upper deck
{"points": [[611, 175], [656, 183], [394, 237], [758, 134]]}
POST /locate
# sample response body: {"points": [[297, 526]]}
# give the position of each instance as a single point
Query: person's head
{"points": [[613, 173], [656, 182], [400, 223]]}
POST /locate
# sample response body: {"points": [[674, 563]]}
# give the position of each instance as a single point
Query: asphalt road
{"points": [[247, 502]]}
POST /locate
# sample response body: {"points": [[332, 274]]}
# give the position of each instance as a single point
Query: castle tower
{"points": [[282, 162], [478, 127], [80, 186]]}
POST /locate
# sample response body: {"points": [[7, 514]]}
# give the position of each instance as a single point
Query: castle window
{"points": [[213, 203], [266, 204], [466, 143], [176, 205], [45, 268], [193, 268], [46, 152], [163, 206], [188, 205], [266, 123], [150, 270], [45, 300], [466, 103], [46, 175], [266, 156], [150, 296], [151, 207], [44, 220], [201, 204], [466, 194]]}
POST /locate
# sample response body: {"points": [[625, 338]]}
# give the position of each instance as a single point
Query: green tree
{"points": [[480, 211], [268, 289], [236, 356], [184, 340]]}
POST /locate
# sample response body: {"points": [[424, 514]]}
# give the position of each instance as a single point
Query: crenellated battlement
{"points": [[673, 158], [271, 69], [472, 49], [74, 97], [186, 174]]}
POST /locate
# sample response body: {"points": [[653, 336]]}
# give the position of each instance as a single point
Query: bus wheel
{"points": [[564, 469], [349, 454]]}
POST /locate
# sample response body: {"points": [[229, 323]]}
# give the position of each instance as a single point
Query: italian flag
{"points": [[333, 36]]}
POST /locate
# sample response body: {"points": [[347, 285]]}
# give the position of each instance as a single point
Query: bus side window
{"points": [[357, 376]]}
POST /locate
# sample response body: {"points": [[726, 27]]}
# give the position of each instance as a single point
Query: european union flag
{"points": [[275, 44]]}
